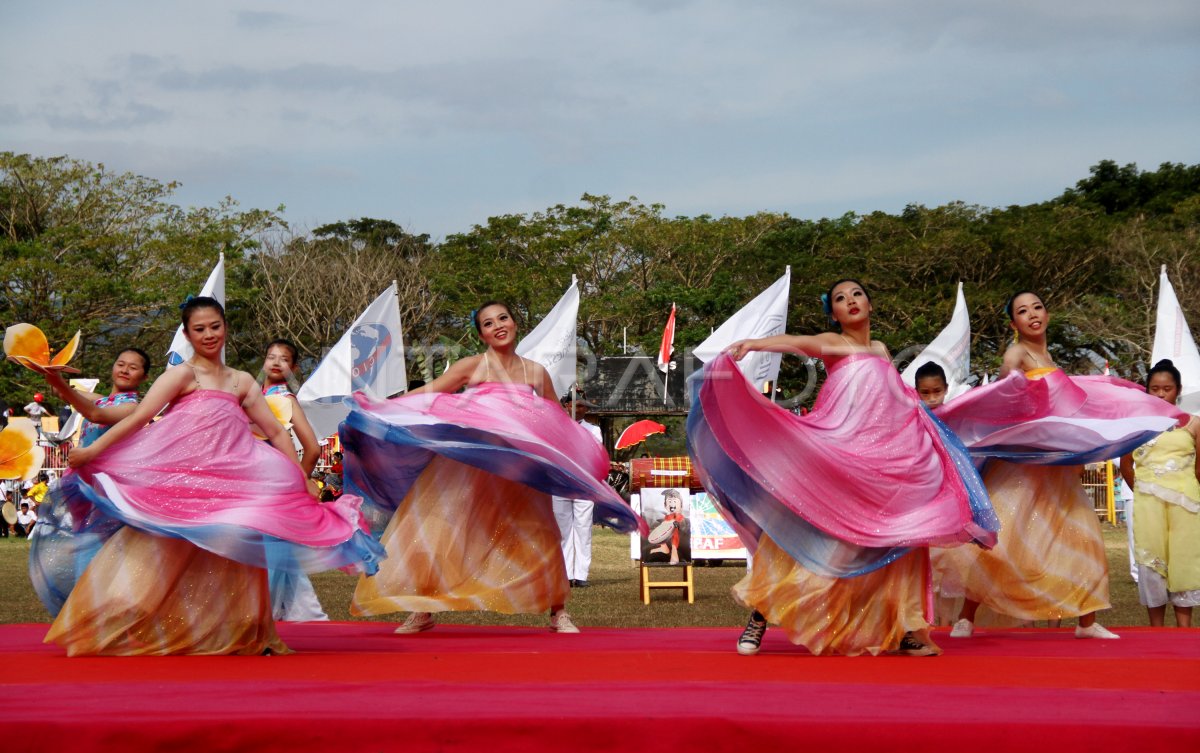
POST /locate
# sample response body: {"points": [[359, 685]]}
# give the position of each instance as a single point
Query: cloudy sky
{"points": [[439, 115]]}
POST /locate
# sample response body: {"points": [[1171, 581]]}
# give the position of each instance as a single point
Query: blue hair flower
{"points": [[186, 301]]}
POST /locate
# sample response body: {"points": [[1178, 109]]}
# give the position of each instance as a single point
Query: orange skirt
{"points": [[462, 540], [868, 613], [153, 595], [1050, 560]]}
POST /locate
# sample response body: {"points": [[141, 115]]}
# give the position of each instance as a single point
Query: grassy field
{"points": [[613, 598]]}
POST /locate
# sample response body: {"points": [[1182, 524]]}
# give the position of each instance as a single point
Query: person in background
{"points": [[1165, 476], [279, 365], [36, 411], [37, 492], [336, 468], [25, 521], [66, 542], [931, 384], [293, 597], [574, 516]]}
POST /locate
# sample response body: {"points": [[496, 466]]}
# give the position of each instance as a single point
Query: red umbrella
{"points": [[638, 431]]}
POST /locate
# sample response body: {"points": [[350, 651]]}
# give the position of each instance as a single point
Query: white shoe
{"points": [[417, 622], [560, 622], [1095, 630], [964, 628]]}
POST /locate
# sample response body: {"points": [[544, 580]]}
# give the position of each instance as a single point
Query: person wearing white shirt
{"points": [[574, 516], [25, 520]]}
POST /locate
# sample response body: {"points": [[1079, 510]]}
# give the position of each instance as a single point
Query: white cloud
{"points": [[448, 112]]}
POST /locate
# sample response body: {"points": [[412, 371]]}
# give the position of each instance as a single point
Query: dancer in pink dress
{"points": [[1035, 427], [460, 485], [838, 505], [206, 507]]}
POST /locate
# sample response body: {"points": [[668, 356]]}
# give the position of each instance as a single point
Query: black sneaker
{"points": [[910, 646], [581, 584], [752, 636]]}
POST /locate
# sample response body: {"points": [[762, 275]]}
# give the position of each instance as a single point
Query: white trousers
{"points": [[575, 524]]}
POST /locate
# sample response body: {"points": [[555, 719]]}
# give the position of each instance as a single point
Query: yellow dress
{"points": [[464, 539], [154, 595], [1166, 520], [868, 613]]}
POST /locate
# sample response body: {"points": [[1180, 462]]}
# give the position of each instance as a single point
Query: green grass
{"points": [[613, 599]]}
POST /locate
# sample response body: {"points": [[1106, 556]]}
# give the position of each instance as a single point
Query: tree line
{"points": [[84, 247]]}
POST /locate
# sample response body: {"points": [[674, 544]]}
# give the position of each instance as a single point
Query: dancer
{"points": [[293, 598], [838, 504], [65, 545], [205, 506], [100, 412], [463, 483], [1164, 474], [1050, 561], [279, 366]]}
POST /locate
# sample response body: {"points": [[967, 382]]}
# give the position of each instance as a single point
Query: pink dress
{"points": [[206, 508], [1036, 429], [459, 487], [839, 504]]}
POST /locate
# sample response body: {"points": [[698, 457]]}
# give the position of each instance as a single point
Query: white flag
{"points": [[951, 350], [552, 342], [369, 358], [181, 350], [1173, 339], [764, 316]]}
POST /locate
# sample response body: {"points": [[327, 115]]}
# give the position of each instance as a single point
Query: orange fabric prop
{"points": [[27, 345], [20, 455]]}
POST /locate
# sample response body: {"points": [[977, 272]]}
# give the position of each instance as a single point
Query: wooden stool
{"points": [[687, 584]]}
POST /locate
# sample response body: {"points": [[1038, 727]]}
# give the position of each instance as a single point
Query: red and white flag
{"points": [[668, 343]]}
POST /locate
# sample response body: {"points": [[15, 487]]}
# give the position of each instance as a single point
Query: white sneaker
{"points": [[964, 628], [1095, 630], [561, 623], [417, 622]]}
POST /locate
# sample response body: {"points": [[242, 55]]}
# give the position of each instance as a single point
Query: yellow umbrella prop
{"points": [[27, 345], [21, 456]]}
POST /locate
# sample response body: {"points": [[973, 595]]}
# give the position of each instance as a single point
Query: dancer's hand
{"points": [[81, 456], [739, 349]]}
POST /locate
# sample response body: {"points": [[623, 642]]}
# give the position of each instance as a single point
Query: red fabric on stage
{"points": [[355, 686]]}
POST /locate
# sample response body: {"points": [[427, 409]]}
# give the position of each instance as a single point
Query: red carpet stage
{"points": [[357, 687]]}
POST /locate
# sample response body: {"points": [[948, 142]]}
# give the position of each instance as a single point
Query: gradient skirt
{"points": [[464, 539], [153, 595]]}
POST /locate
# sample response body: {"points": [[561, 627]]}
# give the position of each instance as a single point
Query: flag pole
{"points": [[667, 363], [575, 384]]}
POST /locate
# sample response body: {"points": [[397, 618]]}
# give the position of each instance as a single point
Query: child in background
{"points": [[293, 597], [931, 384]]}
